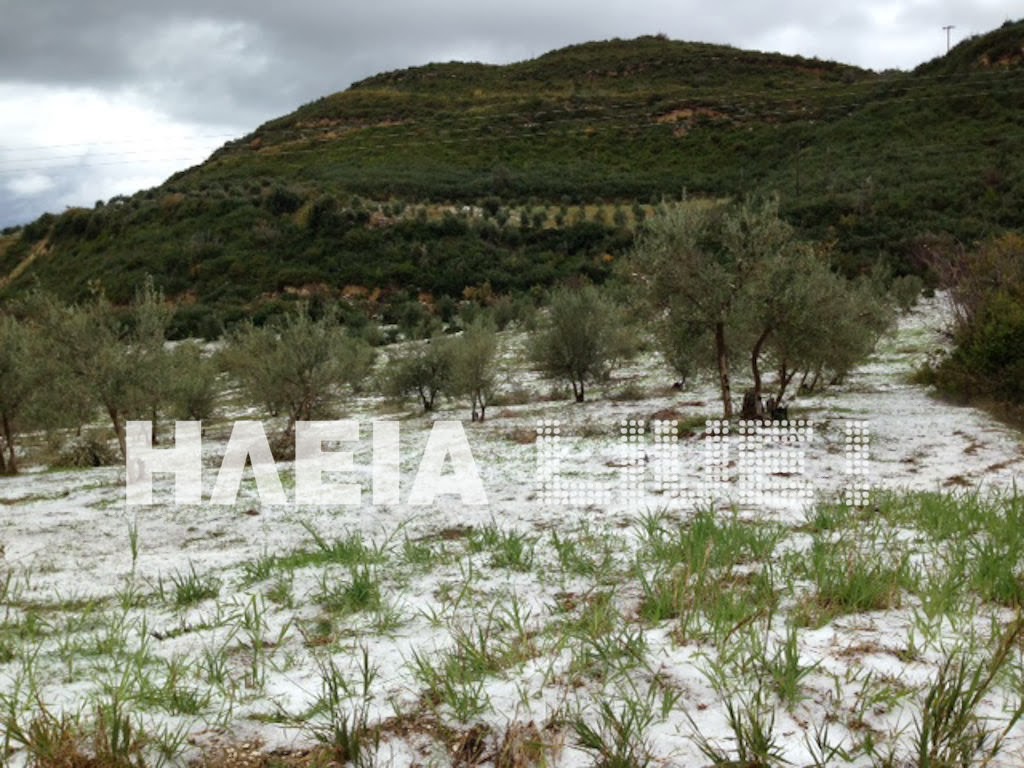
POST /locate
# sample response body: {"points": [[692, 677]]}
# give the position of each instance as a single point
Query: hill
{"points": [[448, 176]]}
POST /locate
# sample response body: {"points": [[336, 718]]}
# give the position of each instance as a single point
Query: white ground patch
{"points": [[91, 585]]}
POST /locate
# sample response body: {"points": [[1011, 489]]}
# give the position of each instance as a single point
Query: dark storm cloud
{"points": [[224, 66], [236, 61], [233, 61]]}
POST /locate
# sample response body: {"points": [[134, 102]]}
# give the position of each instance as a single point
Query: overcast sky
{"points": [[105, 97]]}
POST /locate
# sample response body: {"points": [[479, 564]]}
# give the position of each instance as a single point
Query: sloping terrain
{"points": [[451, 175], [461, 635]]}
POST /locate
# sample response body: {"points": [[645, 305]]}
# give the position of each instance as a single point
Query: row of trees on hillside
{"points": [[232, 251], [722, 286], [725, 286]]}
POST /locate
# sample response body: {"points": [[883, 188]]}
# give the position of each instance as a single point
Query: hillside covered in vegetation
{"points": [[453, 176]]}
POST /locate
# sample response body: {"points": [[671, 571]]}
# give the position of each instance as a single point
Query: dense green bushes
{"points": [[226, 257], [987, 288]]}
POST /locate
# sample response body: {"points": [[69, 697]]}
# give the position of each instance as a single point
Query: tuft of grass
{"points": [[522, 745], [849, 581], [341, 724], [824, 518], [784, 669], [280, 591], [214, 665], [514, 551], [586, 554], [361, 592], [446, 682], [950, 731], [190, 588], [351, 549], [348, 550], [598, 615], [509, 548], [108, 740], [423, 555], [755, 742], [133, 541], [618, 739], [621, 652], [260, 569]]}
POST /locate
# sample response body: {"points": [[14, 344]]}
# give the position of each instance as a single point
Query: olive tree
{"points": [[728, 281], [194, 385], [856, 320], [473, 365], [693, 263], [582, 339], [113, 358], [425, 368], [298, 367], [22, 379]]}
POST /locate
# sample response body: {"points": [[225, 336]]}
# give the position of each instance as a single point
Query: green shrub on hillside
{"points": [[987, 287]]}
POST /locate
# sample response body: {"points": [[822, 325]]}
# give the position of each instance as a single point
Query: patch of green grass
{"points": [[586, 553], [339, 720], [604, 656], [260, 569], [708, 541], [618, 738], [847, 580], [424, 555], [509, 549], [25, 630], [709, 576], [188, 589], [823, 518], [514, 551], [280, 591], [950, 730], [994, 569], [361, 592], [348, 550], [754, 741], [446, 682], [782, 666], [976, 541], [593, 614]]}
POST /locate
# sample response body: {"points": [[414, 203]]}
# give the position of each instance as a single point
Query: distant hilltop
{"points": [[448, 177]]}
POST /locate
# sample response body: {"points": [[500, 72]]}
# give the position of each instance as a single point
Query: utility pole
{"points": [[948, 27]]}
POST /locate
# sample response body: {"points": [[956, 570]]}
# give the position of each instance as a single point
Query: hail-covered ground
{"points": [[644, 588]]}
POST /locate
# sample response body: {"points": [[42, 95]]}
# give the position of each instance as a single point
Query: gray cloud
{"points": [[212, 66]]}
